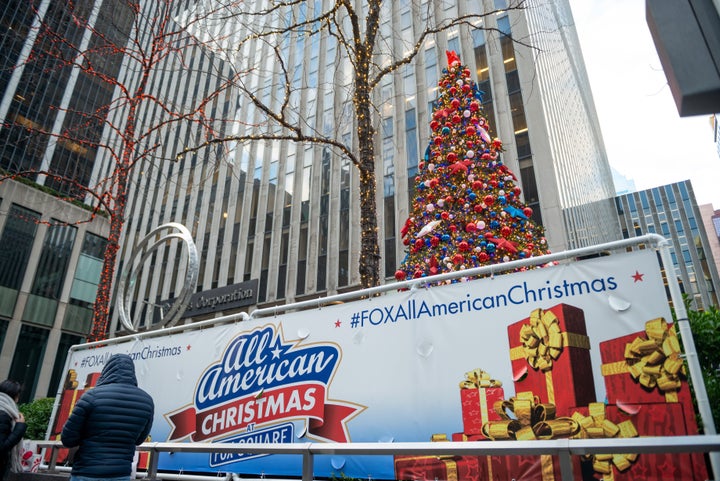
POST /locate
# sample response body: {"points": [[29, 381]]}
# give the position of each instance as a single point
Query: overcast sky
{"points": [[646, 140]]}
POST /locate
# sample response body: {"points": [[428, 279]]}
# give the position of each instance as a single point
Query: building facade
{"points": [[672, 211], [287, 214]]}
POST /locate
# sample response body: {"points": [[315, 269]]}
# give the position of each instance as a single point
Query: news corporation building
{"points": [[281, 218]]}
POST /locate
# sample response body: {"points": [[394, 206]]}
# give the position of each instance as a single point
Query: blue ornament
{"points": [[459, 239], [494, 224], [502, 200], [521, 254], [490, 247], [501, 184], [445, 130], [445, 237], [472, 196], [437, 215]]}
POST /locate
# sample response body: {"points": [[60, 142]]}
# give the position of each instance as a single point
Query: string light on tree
{"points": [[467, 210]]}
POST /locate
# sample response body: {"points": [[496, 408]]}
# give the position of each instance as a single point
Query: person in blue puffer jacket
{"points": [[107, 423]]}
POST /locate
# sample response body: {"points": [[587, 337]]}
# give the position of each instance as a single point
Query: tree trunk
{"points": [[369, 241]]}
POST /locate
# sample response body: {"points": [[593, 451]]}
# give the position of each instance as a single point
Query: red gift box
{"points": [[549, 347], [439, 468], [658, 419], [478, 393], [645, 367], [528, 468]]}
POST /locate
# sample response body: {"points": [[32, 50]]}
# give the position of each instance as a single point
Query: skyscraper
{"points": [[287, 214], [672, 211]]}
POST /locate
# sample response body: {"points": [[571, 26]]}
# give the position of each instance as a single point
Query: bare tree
{"points": [[356, 27], [118, 50]]}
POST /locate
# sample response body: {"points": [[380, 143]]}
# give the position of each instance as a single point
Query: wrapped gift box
{"points": [[645, 367], [439, 468], [478, 393], [528, 468], [550, 349], [658, 419]]}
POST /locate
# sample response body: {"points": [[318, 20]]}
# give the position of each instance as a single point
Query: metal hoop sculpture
{"points": [[130, 275]]}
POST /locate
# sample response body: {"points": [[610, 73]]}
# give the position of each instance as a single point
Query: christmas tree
{"points": [[467, 210]]}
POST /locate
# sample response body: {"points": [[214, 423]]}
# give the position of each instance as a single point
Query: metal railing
{"points": [[563, 448]]}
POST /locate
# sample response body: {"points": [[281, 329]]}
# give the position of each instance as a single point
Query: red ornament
{"points": [[455, 103], [528, 212], [463, 246], [452, 228], [488, 199], [517, 190], [458, 259], [505, 231], [477, 185], [470, 227], [478, 208], [497, 143], [417, 273], [400, 275], [470, 130], [438, 140], [406, 241], [445, 215], [452, 90], [474, 105], [483, 257], [434, 124], [465, 88], [434, 241], [456, 119], [419, 243], [449, 199], [451, 157]]}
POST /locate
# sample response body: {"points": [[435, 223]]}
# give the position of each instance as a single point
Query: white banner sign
{"points": [[387, 368]]}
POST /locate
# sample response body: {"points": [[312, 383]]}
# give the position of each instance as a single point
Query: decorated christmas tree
{"points": [[467, 210]]}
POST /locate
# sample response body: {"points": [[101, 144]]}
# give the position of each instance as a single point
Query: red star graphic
{"points": [[337, 323], [188, 347], [637, 277]]}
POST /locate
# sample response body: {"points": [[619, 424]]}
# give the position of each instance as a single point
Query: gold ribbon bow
{"points": [[477, 378], [653, 362], [596, 425], [542, 342], [532, 420]]}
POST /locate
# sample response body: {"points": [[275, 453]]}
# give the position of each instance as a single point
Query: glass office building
{"points": [[672, 211], [287, 214]]}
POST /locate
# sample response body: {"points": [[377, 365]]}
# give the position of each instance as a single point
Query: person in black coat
{"points": [[108, 422], [12, 428]]}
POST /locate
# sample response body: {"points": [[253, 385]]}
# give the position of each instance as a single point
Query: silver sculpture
{"points": [[129, 276]]}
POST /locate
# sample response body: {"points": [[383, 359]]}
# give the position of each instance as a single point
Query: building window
{"points": [[54, 260], [78, 315], [27, 360], [17, 240]]}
